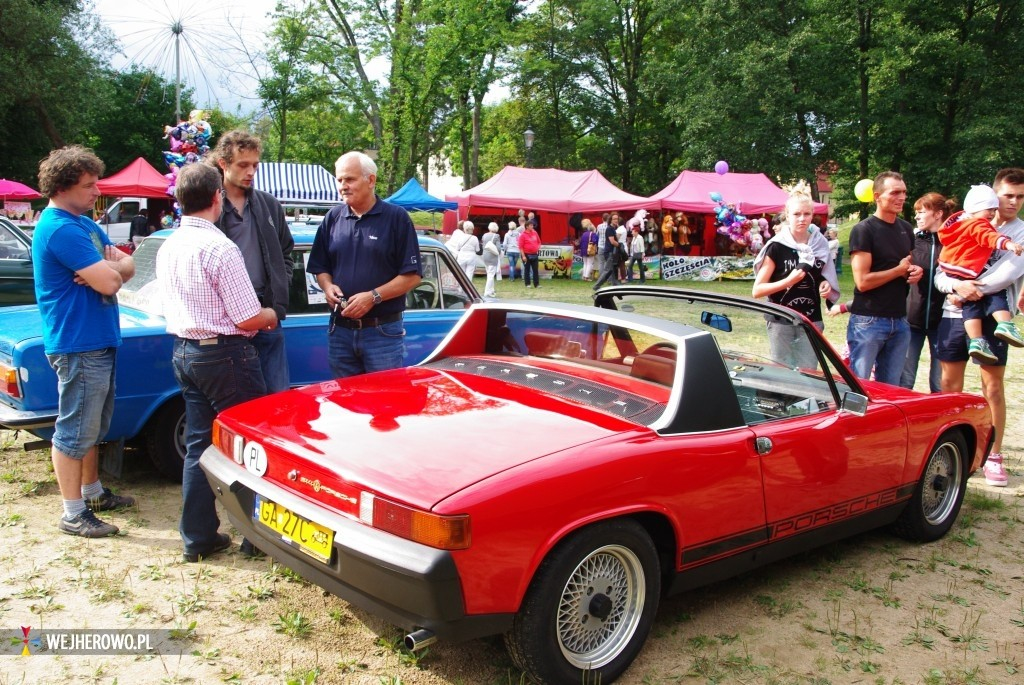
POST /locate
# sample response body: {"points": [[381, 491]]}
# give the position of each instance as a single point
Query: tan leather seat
{"points": [[543, 344], [653, 367]]}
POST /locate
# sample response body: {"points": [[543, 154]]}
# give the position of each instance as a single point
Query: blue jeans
{"points": [[636, 259], [352, 351], [609, 271], [273, 359], [878, 342], [85, 399], [917, 338], [212, 378], [513, 261], [531, 263]]}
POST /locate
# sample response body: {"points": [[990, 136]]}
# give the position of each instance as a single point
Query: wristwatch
{"points": [[377, 299]]}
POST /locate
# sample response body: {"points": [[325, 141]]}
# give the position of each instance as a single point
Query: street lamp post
{"points": [[528, 136]]}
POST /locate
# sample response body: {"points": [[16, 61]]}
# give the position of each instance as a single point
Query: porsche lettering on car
{"points": [[551, 471]]}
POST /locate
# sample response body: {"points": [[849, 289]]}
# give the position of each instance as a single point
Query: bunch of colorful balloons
{"points": [[190, 143], [730, 222]]}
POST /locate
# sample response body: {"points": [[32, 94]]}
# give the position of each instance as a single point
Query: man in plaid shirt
{"points": [[212, 310]]}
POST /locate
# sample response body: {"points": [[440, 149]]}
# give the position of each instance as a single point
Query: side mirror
{"points": [[719, 322], [855, 403]]}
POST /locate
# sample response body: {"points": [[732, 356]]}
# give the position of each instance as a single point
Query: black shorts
{"points": [[952, 341], [986, 306]]}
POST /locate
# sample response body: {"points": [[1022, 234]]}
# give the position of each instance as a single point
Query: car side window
{"points": [[774, 366], [770, 381], [10, 246], [304, 295], [440, 287]]}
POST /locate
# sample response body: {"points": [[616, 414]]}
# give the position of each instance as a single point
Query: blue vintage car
{"points": [[148, 407]]}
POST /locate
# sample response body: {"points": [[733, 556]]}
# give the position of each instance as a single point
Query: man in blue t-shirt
{"points": [[365, 257], [77, 275]]}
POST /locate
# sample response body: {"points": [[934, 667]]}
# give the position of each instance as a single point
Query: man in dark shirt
{"points": [[880, 257], [139, 227], [365, 257], [610, 266], [255, 222]]}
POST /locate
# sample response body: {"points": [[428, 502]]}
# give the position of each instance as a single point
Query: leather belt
{"points": [[217, 340], [368, 321]]}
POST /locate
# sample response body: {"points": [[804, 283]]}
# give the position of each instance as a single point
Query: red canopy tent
{"points": [[752, 194], [138, 179], [552, 193]]}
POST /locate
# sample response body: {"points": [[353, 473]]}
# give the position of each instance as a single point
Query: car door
{"points": [[818, 464], [821, 465]]}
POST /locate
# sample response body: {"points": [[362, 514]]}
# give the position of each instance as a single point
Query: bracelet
{"points": [[843, 309]]}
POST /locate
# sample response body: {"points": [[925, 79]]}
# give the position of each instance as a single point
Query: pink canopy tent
{"points": [[138, 179], [552, 193], [12, 190], [752, 194]]}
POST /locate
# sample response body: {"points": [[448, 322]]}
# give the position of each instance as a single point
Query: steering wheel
{"points": [[662, 349], [424, 296]]}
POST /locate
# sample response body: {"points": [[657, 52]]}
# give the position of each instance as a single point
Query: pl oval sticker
{"points": [[254, 458]]}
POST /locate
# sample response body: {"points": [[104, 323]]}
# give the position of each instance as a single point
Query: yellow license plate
{"points": [[310, 538]]}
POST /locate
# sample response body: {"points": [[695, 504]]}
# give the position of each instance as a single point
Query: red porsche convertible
{"points": [[552, 471]]}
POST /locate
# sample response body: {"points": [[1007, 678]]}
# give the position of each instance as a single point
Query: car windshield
{"points": [[768, 380], [142, 291]]}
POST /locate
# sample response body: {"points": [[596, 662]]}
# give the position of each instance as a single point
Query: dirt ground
{"points": [[873, 609]]}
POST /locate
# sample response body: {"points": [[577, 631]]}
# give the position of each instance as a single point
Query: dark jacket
{"points": [[276, 243], [924, 302]]}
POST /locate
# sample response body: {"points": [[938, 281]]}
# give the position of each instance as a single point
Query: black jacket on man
{"points": [[924, 302], [276, 244]]}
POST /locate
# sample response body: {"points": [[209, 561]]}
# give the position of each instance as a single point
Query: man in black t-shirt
{"points": [[139, 228], [880, 257], [610, 267]]}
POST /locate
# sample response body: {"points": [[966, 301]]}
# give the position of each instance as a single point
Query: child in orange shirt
{"points": [[968, 239]]}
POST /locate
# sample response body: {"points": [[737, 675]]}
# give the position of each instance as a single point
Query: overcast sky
{"points": [[211, 59]]}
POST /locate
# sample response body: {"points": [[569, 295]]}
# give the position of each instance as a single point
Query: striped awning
{"points": [[297, 184]]}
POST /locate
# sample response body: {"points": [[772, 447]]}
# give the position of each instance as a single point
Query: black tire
{"points": [[607, 570], [165, 439], [939, 493]]}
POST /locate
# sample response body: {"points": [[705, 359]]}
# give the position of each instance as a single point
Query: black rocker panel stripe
{"points": [[796, 525]]}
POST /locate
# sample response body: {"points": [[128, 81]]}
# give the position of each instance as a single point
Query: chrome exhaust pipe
{"points": [[419, 639]]}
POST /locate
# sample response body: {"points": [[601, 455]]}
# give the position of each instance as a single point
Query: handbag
{"points": [[492, 247], [591, 248]]}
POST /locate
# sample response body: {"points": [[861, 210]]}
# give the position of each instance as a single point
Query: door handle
{"points": [[763, 445]]}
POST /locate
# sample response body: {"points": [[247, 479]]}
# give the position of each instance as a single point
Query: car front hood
{"points": [[416, 434]]}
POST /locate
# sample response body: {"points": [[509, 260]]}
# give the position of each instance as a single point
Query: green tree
{"points": [[49, 65], [131, 110], [286, 84]]}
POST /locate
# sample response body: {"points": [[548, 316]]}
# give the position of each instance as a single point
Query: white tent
{"points": [[303, 185]]}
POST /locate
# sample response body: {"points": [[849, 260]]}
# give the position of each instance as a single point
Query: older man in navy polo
{"points": [[365, 257]]}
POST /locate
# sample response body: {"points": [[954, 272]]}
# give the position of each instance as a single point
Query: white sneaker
{"points": [[994, 472]]}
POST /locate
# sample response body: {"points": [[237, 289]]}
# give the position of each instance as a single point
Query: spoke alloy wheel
{"points": [[601, 606], [941, 483]]}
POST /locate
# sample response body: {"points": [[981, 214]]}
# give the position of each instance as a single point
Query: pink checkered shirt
{"points": [[206, 287]]}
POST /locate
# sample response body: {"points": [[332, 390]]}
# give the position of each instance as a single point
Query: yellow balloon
{"points": [[865, 190]]}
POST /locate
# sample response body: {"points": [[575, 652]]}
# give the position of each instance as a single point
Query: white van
{"points": [[118, 217]]}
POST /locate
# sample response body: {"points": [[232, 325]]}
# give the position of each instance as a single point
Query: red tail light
{"points": [[9, 381]]}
